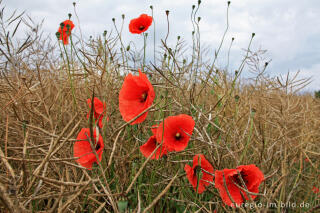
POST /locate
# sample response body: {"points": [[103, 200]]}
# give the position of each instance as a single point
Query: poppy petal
{"points": [[176, 132], [65, 32], [99, 110], [251, 175], [140, 24], [135, 96], [147, 149], [192, 174], [154, 129], [83, 151]]}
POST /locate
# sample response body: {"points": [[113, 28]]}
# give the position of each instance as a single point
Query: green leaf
{"points": [[122, 205]]}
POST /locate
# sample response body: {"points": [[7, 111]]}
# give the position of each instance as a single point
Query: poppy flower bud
{"points": [[229, 3], [199, 18], [253, 34], [128, 47], [151, 7], [62, 25], [167, 12], [105, 33], [232, 39], [236, 72], [25, 122], [266, 64], [193, 6], [192, 32], [58, 35], [113, 19], [184, 61], [123, 16], [237, 97], [69, 15], [178, 38], [199, 2], [74, 4], [165, 56]]}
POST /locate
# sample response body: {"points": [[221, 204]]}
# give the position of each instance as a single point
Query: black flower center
{"points": [[178, 136], [98, 146], [197, 169], [236, 179], [144, 97], [141, 27]]}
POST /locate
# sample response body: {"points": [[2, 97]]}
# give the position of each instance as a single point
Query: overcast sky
{"points": [[288, 29]]}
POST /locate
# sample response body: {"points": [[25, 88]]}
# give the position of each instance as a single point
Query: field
{"points": [[46, 93]]}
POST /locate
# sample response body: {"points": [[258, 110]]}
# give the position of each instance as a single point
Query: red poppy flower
{"points": [[82, 148], [199, 162], [251, 175], [154, 129], [315, 190], [140, 24], [65, 32], [177, 132], [147, 148], [99, 110], [135, 96]]}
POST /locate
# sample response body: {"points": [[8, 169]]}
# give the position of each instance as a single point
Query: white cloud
{"points": [[287, 29], [314, 73]]}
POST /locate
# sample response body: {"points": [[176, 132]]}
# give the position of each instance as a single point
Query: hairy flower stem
{"points": [[144, 50], [70, 78]]}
